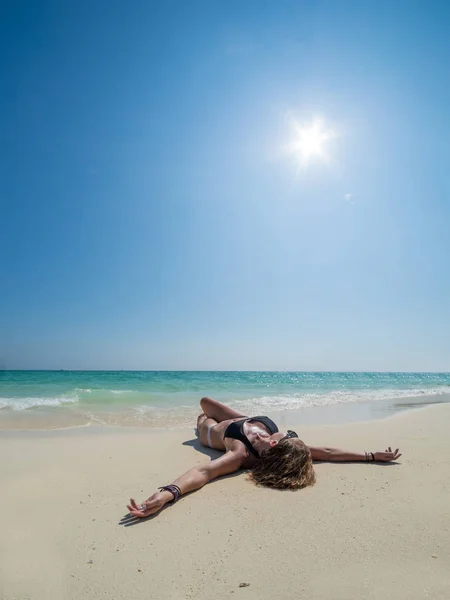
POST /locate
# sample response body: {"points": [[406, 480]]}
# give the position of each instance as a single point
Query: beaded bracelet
{"points": [[173, 489]]}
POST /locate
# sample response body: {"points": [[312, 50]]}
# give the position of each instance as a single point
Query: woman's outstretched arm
{"points": [[336, 455], [192, 480]]}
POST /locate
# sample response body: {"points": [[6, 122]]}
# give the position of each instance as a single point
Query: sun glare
{"points": [[309, 141]]}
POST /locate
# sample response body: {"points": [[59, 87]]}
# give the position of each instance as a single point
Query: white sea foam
{"points": [[250, 405], [304, 400], [287, 402], [143, 409], [33, 402]]}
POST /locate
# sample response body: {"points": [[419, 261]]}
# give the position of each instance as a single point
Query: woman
{"points": [[277, 459]]}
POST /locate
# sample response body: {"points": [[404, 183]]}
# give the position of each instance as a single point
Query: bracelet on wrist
{"points": [[173, 489], [368, 455]]}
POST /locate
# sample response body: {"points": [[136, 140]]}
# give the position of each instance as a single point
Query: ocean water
{"points": [[53, 399]]}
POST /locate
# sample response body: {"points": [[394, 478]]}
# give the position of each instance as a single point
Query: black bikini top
{"points": [[236, 431]]}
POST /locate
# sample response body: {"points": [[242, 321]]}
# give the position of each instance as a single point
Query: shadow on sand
{"points": [[195, 443]]}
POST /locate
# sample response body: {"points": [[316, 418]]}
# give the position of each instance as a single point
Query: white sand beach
{"points": [[363, 531]]}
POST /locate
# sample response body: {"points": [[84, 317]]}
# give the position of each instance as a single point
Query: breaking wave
{"points": [[33, 402]]}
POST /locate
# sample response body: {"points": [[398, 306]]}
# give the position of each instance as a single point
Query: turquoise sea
{"points": [[54, 399]]}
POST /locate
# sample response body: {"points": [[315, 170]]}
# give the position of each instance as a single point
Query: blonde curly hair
{"points": [[286, 466]]}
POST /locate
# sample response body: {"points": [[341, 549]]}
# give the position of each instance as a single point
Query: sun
{"points": [[310, 141]]}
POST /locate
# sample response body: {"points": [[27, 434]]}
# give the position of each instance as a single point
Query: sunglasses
{"points": [[289, 434]]}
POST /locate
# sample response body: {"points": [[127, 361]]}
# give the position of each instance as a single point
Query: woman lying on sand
{"points": [[277, 459]]}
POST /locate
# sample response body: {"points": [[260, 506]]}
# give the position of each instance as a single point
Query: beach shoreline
{"points": [[332, 414], [363, 530], [161, 400]]}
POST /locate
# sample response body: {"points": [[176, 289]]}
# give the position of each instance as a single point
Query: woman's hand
{"points": [[387, 456], [152, 505]]}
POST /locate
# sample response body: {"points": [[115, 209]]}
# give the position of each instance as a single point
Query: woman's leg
{"points": [[205, 427], [218, 411]]}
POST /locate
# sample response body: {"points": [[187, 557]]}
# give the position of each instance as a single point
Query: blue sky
{"points": [[151, 218]]}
